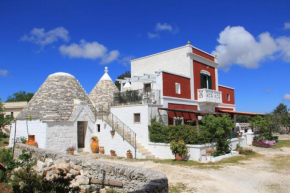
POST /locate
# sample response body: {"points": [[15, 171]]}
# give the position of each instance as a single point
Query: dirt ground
{"points": [[269, 172]]}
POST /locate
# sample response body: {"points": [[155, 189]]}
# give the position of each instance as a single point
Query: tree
{"points": [[219, 130], [243, 119], [122, 76], [20, 96], [4, 120], [282, 113], [263, 124]]}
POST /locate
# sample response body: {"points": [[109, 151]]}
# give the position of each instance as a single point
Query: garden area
{"points": [[4, 139], [212, 130]]}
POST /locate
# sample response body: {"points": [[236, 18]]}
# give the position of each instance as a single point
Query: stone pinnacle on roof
{"points": [[55, 99], [102, 94]]}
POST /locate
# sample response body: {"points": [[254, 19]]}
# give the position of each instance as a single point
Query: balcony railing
{"points": [[136, 97], [210, 96]]}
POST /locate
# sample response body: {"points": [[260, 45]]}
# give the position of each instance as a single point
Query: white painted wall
{"points": [[174, 60], [115, 143], [126, 115], [61, 135], [35, 127], [162, 150]]}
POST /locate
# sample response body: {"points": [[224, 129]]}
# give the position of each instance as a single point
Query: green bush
{"points": [[3, 135], [212, 129], [178, 147]]}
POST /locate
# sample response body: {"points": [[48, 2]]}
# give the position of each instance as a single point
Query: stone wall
{"points": [[92, 172]]}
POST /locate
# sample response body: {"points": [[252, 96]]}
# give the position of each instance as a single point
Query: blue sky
{"points": [[251, 38]]}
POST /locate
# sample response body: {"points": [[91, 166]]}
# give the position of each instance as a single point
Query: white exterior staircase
{"points": [[128, 134]]}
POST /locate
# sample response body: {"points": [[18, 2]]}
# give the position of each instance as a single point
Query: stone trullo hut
{"points": [[102, 94], [62, 115]]}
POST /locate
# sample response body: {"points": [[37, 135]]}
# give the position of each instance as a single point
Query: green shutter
{"points": [[209, 82], [202, 81]]}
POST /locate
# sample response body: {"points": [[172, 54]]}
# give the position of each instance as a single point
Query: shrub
{"points": [[258, 143], [3, 135], [245, 151], [219, 130], [178, 147]]}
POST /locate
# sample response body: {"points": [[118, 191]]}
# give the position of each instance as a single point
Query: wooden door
{"points": [[81, 134]]}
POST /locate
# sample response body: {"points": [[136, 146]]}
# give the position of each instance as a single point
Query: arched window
{"points": [[205, 79]]}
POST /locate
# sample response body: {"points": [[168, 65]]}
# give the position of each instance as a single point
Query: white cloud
{"points": [[286, 97], [153, 35], [238, 46], [3, 72], [284, 47], [162, 27], [287, 25], [126, 60], [41, 37], [89, 50]]}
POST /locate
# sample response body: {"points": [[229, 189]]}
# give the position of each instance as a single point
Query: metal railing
{"points": [[121, 128], [137, 97]]}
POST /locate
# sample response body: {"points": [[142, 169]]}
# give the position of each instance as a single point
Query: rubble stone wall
{"points": [[90, 172]]}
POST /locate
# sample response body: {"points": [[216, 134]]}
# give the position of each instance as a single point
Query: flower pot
{"points": [[70, 152], [113, 154], [31, 141], [129, 156], [112, 133], [95, 146], [179, 157], [102, 150]]}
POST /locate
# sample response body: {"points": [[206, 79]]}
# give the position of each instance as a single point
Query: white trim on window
{"points": [[228, 97], [177, 88], [205, 72], [175, 119]]}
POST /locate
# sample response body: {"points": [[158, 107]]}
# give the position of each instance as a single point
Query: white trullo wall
{"points": [[61, 135], [35, 127]]}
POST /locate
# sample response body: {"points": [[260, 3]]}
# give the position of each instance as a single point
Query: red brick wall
{"points": [[197, 67], [202, 54], [226, 91], [169, 81]]}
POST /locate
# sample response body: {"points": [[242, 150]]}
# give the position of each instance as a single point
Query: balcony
{"points": [[209, 96], [132, 97]]}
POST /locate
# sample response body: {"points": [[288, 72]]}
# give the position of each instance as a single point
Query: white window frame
{"points": [[228, 97], [177, 88], [178, 118]]}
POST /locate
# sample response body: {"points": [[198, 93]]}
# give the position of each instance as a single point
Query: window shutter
{"points": [[202, 81], [209, 82]]}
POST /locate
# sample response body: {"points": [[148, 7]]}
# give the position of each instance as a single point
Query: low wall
{"points": [[127, 178], [162, 150]]}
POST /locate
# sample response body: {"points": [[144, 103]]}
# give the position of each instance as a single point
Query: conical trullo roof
{"points": [[55, 99], [102, 94]]}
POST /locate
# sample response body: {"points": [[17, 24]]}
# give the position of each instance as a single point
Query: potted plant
{"points": [[239, 134], [129, 154], [31, 138], [70, 150], [209, 152], [113, 132], [102, 150], [178, 149], [113, 152], [95, 144]]}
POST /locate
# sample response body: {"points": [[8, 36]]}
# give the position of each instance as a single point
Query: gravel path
{"points": [[268, 173]]}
